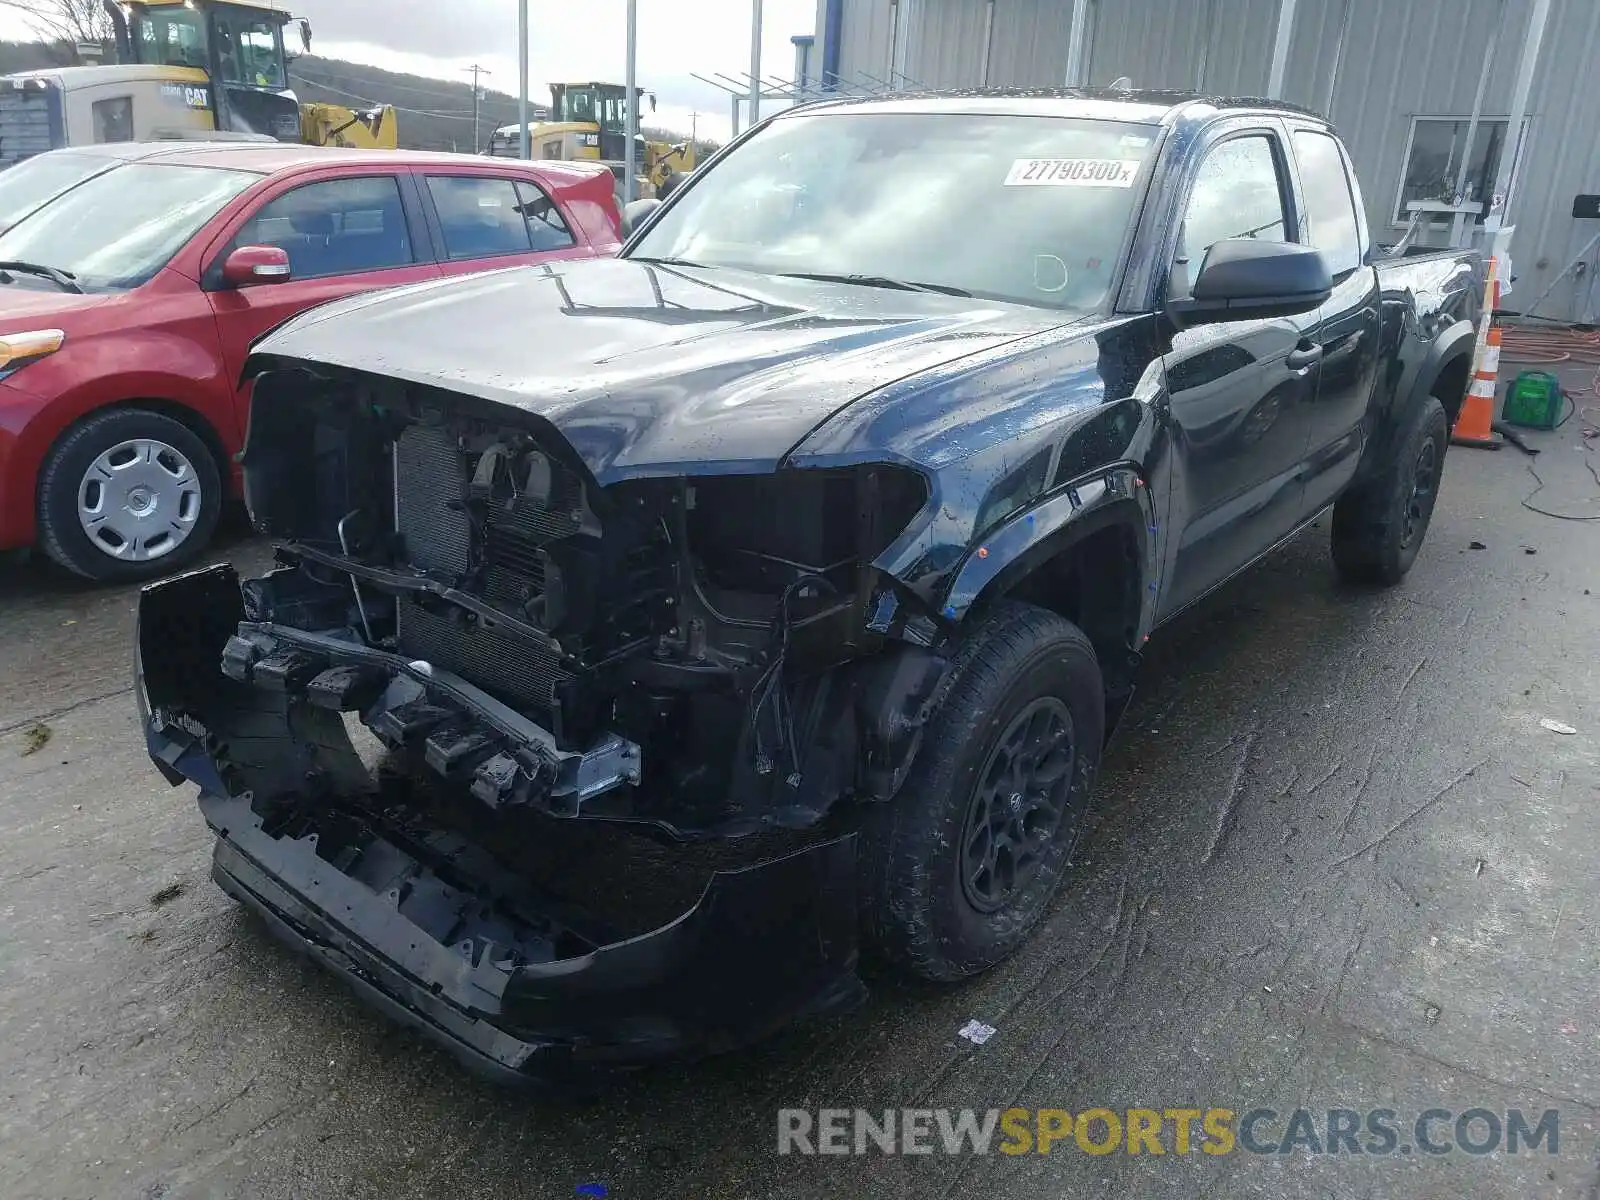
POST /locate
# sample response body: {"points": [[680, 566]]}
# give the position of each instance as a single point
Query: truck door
{"points": [[1335, 224], [1240, 391]]}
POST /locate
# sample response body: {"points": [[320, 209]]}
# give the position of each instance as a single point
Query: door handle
{"points": [[1304, 355]]}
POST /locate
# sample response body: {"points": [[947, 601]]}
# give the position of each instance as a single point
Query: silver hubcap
{"points": [[139, 500]]}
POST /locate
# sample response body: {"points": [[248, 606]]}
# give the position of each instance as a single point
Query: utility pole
{"points": [[477, 146], [522, 71], [631, 126]]}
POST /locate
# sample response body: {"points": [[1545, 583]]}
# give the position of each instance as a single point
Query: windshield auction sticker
{"points": [[1073, 172]]}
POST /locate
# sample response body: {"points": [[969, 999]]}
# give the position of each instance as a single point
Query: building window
{"points": [[1434, 151], [113, 119]]}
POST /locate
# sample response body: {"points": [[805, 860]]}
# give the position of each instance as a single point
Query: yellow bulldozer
{"points": [[186, 69], [589, 122]]}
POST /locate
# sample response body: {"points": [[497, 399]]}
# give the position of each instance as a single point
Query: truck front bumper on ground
{"points": [[439, 934]]}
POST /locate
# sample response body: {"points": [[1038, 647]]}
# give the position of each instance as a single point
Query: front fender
{"points": [[46, 399], [1114, 497]]}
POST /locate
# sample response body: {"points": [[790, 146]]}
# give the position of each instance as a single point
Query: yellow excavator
{"points": [[186, 69], [589, 122]]}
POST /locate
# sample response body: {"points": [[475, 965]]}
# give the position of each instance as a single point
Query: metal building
{"points": [[1399, 78]]}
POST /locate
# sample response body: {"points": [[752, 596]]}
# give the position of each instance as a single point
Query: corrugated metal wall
{"points": [[864, 39], [944, 41], [1221, 46], [1030, 43], [1400, 59]]}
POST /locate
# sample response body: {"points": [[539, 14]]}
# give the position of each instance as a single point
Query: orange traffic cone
{"points": [[1475, 423]]}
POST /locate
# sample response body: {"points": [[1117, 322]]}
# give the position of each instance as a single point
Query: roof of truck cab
{"points": [[1104, 104]]}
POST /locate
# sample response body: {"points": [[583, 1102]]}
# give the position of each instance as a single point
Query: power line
{"points": [[459, 115], [444, 90]]}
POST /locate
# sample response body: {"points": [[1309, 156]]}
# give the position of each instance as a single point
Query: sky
{"points": [[571, 40]]}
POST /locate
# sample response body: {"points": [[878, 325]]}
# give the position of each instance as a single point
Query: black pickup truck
{"points": [[649, 637]]}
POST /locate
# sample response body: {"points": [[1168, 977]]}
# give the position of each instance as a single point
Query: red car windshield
{"points": [[35, 181], [117, 229]]}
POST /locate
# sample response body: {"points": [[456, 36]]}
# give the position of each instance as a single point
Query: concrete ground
{"points": [[1335, 862]]}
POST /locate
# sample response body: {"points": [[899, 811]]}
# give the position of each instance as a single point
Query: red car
{"points": [[134, 278]]}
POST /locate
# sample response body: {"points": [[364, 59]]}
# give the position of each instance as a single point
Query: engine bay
{"points": [[706, 654]]}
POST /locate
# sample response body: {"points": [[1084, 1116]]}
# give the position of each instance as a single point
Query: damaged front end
{"points": [[434, 738]]}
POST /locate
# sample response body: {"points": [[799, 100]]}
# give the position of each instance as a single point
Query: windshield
{"points": [[36, 180], [120, 228], [577, 104], [171, 37], [606, 107], [1028, 209]]}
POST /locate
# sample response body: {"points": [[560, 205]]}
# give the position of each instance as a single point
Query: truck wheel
{"points": [[960, 865], [1378, 527], [128, 495]]}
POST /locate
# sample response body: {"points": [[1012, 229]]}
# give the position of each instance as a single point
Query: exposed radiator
{"points": [[519, 672], [500, 557], [429, 474]]}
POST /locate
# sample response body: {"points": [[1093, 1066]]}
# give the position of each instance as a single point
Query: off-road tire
{"points": [[1379, 526], [61, 536], [916, 914]]}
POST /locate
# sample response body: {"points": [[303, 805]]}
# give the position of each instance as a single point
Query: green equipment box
{"points": [[1533, 401]]}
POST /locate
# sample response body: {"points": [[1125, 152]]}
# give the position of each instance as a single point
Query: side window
{"points": [[1330, 209], [113, 119], [480, 215], [546, 227], [335, 227], [1238, 193]]}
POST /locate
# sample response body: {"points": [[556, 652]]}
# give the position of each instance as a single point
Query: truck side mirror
{"points": [[251, 266], [1243, 279]]}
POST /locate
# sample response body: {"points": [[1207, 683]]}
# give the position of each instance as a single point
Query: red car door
{"points": [[345, 234], [486, 221]]}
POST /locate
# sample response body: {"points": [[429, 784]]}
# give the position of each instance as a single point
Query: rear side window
{"points": [[1330, 208], [546, 227], [336, 227], [480, 216], [1238, 193]]}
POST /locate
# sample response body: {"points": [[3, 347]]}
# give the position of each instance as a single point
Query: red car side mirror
{"points": [[251, 265]]}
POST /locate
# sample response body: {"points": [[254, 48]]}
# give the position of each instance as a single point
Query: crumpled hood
{"points": [[649, 369]]}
